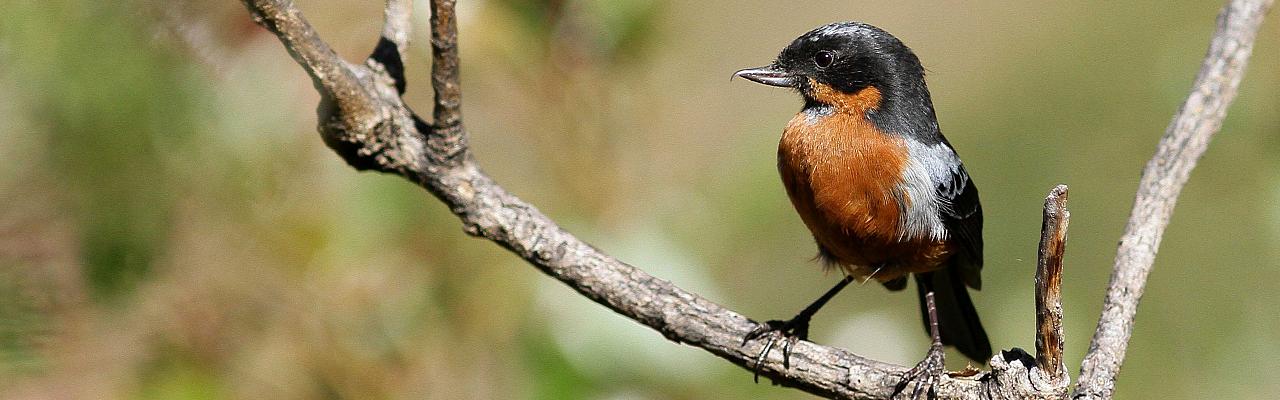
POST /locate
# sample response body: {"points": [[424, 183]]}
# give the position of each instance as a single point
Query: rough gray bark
{"points": [[1183, 143], [363, 119]]}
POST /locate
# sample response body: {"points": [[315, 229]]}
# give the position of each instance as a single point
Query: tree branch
{"points": [[364, 120], [332, 76], [444, 65], [398, 23], [1053, 245], [1183, 143]]}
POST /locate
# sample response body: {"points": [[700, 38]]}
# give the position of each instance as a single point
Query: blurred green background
{"points": [[171, 226]]}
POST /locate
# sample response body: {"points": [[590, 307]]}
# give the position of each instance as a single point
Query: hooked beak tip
{"points": [[769, 75]]}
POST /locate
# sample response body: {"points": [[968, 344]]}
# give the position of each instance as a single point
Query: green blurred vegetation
{"points": [[172, 228]]}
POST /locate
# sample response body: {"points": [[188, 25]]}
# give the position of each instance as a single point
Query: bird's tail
{"points": [[957, 319]]}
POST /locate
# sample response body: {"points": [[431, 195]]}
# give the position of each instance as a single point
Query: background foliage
{"points": [[170, 226]]}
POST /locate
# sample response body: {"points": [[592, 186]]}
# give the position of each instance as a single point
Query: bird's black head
{"points": [[844, 58]]}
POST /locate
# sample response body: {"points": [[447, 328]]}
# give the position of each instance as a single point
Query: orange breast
{"points": [[843, 177]]}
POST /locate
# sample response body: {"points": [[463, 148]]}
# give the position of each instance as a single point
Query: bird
{"points": [[877, 184]]}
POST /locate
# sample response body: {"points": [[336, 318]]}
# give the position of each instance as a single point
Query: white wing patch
{"points": [[927, 167]]}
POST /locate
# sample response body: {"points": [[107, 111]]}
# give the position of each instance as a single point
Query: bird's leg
{"points": [[792, 330], [929, 371]]}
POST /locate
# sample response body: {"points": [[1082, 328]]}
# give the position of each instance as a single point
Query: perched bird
{"points": [[874, 180]]}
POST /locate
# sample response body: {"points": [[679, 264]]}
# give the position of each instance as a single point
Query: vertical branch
{"points": [[1183, 143], [447, 135], [1053, 244], [444, 78], [397, 24], [389, 53], [444, 64]]}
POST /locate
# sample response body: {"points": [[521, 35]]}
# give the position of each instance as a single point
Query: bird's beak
{"points": [[770, 75]]}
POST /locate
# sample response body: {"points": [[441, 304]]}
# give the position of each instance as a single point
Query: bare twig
{"points": [[1053, 244], [332, 76], [364, 120], [398, 23], [1184, 141], [444, 63], [387, 58]]}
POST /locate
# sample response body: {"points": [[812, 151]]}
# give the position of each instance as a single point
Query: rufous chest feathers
{"points": [[840, 170]]}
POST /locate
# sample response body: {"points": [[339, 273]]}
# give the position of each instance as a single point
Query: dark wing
{"points": [[961, 214]]}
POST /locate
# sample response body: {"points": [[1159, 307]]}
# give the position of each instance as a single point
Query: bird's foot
{"points": [[924, 376], [790, 331]]}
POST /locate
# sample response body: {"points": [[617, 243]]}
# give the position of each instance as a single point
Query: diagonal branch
{"points": [[332, 76], [364, 120], [1183, 143]]}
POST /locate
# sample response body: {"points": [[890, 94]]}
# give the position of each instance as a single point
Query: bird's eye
{"points": [[824, 59]]}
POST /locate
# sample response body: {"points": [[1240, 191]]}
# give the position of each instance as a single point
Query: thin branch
{"points": [[1053, 245], [1183, 143], [444, 63], [332, 76], [397, 23], [387, 58]]}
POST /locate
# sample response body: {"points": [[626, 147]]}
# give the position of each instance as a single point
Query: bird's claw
{"points": [[924, 375], [791, 331]]}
